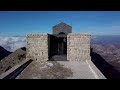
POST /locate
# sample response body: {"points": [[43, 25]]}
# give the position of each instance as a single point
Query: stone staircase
{"points": [[60, 58]]}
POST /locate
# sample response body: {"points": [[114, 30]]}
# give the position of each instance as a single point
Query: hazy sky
{"points": [[94, 22]]}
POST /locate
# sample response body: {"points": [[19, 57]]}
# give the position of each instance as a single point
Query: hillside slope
{"points": [[13, 59], [3, 53]]}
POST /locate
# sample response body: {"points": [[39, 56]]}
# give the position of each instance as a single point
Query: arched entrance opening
{"points": [[58, 47], [57, 43]]}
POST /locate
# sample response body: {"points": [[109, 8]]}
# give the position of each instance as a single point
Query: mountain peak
{"points": [[3, 53]]}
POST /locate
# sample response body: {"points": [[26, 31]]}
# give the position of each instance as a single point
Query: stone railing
{"points": [[2, 76], [96, 72]]}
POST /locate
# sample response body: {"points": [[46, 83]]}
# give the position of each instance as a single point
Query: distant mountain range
{"points": [[108, 47], [106, 39]]}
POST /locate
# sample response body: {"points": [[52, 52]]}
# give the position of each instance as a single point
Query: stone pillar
{"points": [[78, 47], [37, 47]]}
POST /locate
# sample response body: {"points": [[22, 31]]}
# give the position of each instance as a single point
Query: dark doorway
{"points": [[62, 46], [57, 47]]}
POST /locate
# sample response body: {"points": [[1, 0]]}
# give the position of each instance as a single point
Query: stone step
{"points": [[60, 58]]}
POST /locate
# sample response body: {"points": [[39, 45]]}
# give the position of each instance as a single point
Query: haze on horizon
{"points": [[15, 23]]}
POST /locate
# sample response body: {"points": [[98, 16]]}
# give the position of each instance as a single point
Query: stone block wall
{"points": [[37, 47], [78, 47]]}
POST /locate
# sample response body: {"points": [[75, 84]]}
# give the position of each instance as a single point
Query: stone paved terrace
{"points": [[61, 70]]}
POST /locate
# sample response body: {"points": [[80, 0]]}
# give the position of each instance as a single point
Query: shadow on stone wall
{"points": [[108, 70], [57, 48]]}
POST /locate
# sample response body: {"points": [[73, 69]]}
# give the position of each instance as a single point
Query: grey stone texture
{"points": [[78, 46], [37, 47], [62, 27]]}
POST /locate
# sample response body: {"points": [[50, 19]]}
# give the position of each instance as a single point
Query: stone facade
{"points": [[37, 47], [78, 44], [78, 47]]}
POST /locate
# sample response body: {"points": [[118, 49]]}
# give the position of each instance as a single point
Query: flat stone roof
{"points": [[76, 70]]}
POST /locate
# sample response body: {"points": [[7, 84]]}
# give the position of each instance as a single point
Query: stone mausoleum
{"points": [[61, 45]]}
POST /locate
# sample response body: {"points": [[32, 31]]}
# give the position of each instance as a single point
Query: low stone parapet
{"points": [[12, 69]]}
